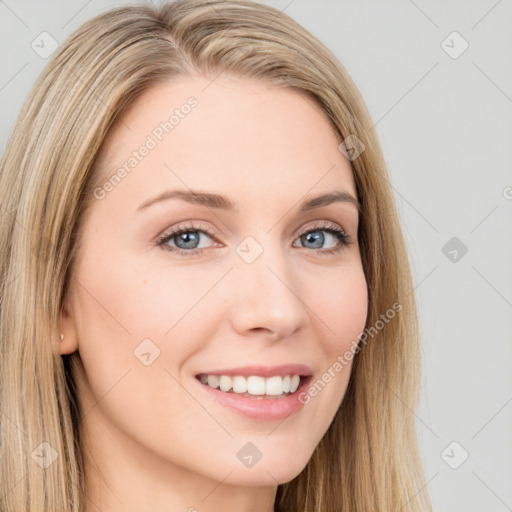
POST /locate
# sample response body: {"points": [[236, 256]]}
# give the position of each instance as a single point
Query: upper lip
{"points": [[264, 371]]}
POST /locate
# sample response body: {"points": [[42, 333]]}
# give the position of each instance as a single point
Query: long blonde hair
{"points": [[368, 459]]}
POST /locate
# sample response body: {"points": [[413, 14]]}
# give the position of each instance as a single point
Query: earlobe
{"points": [[67, 345], [68, 342]]}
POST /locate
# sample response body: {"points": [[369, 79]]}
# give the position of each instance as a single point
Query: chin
{"points": [[275, 470]]}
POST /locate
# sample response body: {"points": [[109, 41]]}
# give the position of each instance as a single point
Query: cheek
{"points": [[129, 297], [340, 301], [341, 306], [128, 320]]}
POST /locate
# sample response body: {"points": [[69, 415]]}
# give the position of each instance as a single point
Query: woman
{"points": [[170, 339]]}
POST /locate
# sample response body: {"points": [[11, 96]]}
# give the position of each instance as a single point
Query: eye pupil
{"points": [[315, 235], [187, 238]]}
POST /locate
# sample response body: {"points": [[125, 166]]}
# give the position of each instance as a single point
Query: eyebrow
{"points": [[221, 202]]}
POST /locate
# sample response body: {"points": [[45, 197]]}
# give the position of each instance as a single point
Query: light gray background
{"points": [[446, 129]]}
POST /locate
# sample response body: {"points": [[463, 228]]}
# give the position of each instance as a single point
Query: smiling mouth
{"points": [[255, 386]]}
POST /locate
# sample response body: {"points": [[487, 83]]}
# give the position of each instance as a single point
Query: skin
{"points": [[155, 436]]}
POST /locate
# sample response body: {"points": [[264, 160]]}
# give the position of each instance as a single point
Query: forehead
{"points": [[241, 134]]}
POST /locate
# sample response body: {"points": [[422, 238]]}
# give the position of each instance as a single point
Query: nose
{"points": [[266, 297]]}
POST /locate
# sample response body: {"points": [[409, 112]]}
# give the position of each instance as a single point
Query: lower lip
{"points": [[262, 409]]}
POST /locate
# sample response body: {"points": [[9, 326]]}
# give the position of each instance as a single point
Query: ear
{"points": [[69, 339]]}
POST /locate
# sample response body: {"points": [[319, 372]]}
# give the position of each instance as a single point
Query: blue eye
{"points": [[186, 239], [317, 237]]}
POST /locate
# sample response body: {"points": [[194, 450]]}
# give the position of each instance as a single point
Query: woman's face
{"points": [[240, 288]]}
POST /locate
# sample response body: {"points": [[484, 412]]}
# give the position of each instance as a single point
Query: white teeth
{"points": [[213, 381], [294, 384], [239, 385], [253, 385], [274, 386], [225, 382]]}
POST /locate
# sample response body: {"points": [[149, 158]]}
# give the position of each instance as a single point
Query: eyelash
{"points": [[329, 227]]}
